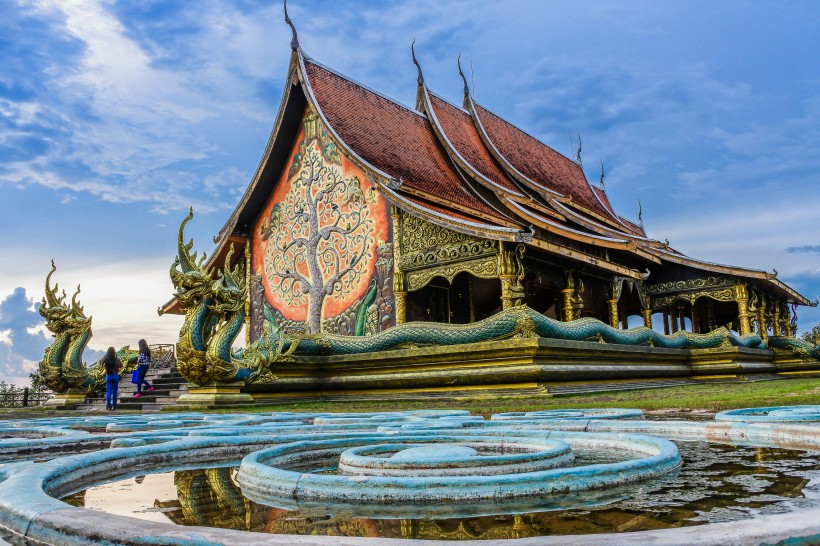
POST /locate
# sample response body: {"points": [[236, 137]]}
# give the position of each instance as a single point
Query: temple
{"points": [[369, 226], [364, 214]]}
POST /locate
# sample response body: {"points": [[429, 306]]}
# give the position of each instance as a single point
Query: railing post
{"points": [[25, 397]]}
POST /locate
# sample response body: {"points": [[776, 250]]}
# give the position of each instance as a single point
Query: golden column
{"points": [[506, 273], [400, 295], [613, 312], [775, 319], [511, 274], [567, 296], [762, 327], [399, 290], [742, 299], [647, 317]]}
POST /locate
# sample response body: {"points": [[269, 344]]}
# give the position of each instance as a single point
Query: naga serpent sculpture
{"points": [[215, 314], [62, 368], [805, 350]]}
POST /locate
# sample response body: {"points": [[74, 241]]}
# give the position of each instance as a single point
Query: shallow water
{"points": [[716, 483]]}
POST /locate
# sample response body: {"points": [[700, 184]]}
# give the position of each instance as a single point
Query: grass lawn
{"points": [[711, 397], [706, 397]]}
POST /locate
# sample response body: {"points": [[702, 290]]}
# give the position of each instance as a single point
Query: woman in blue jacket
{"points": [[143, 362]]}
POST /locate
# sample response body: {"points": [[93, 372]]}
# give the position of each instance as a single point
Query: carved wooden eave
{"points": [[570, 233], [608, 206], [605, 230], [764, 278], [583, 257], [466, 227]]}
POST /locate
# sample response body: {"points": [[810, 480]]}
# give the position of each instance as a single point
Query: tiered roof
{"points": [[467, 169]]}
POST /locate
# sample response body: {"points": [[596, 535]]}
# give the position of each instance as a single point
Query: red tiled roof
{"points": [[391, 137], [539, 162], [637, 228], [460, 130]]}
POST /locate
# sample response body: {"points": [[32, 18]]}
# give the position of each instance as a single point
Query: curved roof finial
{"points": [[640, 212], [294, 41], [578, 155], [463, 77], [602, 175], [416, 62]]}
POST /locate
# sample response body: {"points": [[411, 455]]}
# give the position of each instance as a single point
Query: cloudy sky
{"points": [[115, 117]]}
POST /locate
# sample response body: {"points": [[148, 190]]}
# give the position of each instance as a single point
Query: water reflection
{"points": [[716, 483]]}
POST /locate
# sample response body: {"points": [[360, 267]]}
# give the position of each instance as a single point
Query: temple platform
{"points": [[516, 367]]}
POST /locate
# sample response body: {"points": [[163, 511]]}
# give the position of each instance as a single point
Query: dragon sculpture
{"points": [[215, 313], [805, 350], [62, 368]]}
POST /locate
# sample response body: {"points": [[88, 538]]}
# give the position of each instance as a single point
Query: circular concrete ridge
{"points": [[603, 413], [774, 414], [26, 507], [478, 458]]}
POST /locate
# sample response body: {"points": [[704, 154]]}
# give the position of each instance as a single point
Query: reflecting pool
{"points": [[716, 483]]}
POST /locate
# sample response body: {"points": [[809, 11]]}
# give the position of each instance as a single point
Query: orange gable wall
{"points": [[352, 203]]}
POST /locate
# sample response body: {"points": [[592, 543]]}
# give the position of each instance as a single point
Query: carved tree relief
{"points": [[319, 235]]}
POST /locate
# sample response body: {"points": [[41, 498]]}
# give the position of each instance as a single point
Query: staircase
{"points": [[168, 386]]}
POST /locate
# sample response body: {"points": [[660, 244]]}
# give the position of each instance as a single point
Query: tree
{"points": [[320, 236], [812, 336]]}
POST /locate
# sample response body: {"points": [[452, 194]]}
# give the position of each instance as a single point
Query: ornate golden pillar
{"points": [[647, 317], [762, 327], [399, 286], [615, 286], [400, 295], [742, 299], [566, 295], [787, 321], [613, 312], [776, 319], [511, 273]]}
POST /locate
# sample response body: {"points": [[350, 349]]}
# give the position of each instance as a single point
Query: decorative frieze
{"points": [[425, 245], [707, 284], [486, 268]]}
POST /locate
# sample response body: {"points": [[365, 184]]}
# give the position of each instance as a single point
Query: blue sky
{"points": [[115, 117]]}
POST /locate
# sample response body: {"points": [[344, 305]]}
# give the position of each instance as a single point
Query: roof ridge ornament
{"points": [[294, 41], [416, 62], [578, 155], [602, 176], [463, 77], [640, 213]]}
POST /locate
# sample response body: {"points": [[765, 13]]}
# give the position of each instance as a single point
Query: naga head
{"points": [[231, 286], [53, 307], [189, 276]]}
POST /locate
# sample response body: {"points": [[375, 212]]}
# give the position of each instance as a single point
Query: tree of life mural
{"points": [[320, 236]]}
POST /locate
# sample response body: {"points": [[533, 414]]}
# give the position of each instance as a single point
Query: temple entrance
{"points": [[710, 314], [467, 299]]}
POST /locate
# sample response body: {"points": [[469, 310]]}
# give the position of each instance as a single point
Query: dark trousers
{"points": [[112, 384], [141, 371]]}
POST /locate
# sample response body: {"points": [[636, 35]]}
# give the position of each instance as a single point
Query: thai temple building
{"points": [[364, 214], [381, 249]]}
